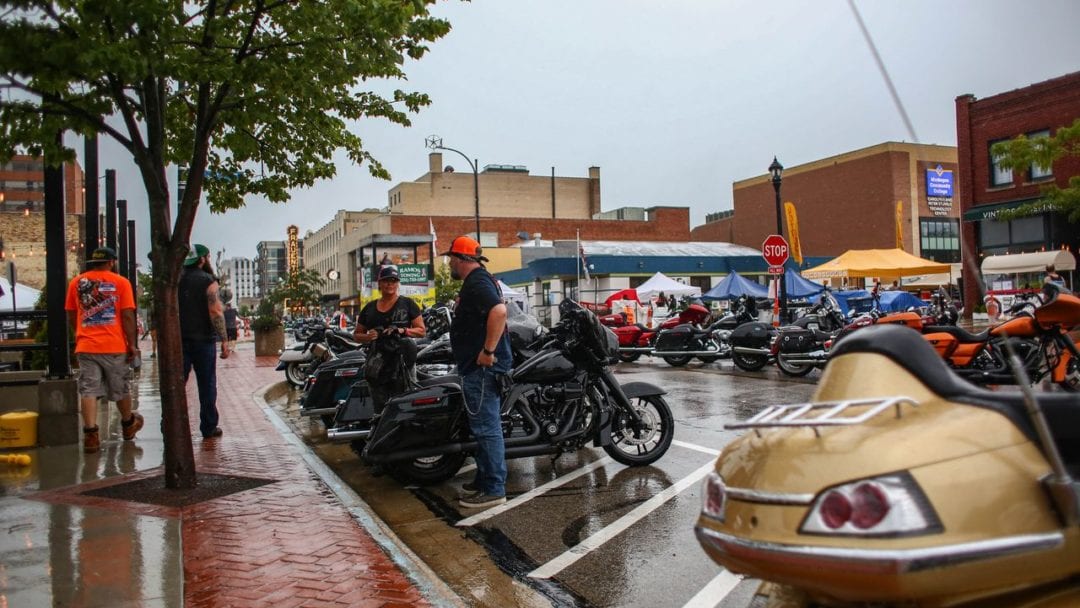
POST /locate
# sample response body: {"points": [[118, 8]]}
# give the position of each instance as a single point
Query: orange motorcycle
{"points": [[1038, 333]]}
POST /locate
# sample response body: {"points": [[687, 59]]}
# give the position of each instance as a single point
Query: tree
{"points": [[252, 97], [301, 289], [446, 287], [1023, 152]]}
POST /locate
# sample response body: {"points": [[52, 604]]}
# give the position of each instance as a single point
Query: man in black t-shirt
{"points": [[481, 348]]}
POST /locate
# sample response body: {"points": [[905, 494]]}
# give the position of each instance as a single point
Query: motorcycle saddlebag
{"points": [[752, 335], [796, 340], [359, 405], [423, 417], [676, 338]]}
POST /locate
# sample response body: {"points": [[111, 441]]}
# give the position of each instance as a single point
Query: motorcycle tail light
{"points": [[890, 505], [715, 497]]}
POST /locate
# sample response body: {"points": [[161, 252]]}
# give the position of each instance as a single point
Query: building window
{"points": [[999, 175], [939, 239], [1038, 172], [1021, 234]]}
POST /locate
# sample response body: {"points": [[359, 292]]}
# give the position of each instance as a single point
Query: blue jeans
{"points": [[203, 357], [482, 403]]}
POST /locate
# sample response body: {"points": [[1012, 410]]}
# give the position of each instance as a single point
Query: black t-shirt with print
{"points": [[401, 315]]}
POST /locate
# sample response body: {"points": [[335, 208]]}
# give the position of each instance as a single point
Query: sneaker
{"points": [[214, 433], [471, 487], [480, 500], [132, 426], [91, 440]]}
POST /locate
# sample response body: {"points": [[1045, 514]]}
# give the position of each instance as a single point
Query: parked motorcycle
{"points": [[637, 339], [298, 361], [755, 344], [1037, 332], [561, 399], [680, 344], [901, 485]]}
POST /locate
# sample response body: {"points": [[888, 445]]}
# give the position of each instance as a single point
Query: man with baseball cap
{"points": [[100, 306], [481, 348], [202, 318]]}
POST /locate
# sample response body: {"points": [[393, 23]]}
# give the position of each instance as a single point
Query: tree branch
{"points": [[73, 110]]}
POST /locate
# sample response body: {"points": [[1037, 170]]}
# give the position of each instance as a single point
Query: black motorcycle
{"points": [[678, 345], [559, 400], [753, 345], [810, 333]]}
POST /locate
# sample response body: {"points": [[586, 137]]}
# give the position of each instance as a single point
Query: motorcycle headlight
{"points": [[890, 505]]}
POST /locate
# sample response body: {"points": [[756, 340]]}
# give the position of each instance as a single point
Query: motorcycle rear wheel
{"points": [[428, 471], [793, 369], [750, 363], [652, 441], [629, 357], [710, 359], [678, 360], [296, 373]]}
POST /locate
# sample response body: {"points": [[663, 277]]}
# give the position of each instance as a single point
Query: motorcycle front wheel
{"points": [[428, 471], [750, 363], [629, 357], [793, 369], [296, 373], [678, 361], [649, 443]]}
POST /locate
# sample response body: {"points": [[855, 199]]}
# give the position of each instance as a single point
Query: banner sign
{"points": [[939, 182]]}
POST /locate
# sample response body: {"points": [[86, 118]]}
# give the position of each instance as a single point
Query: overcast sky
{"points": [[674, 100]]}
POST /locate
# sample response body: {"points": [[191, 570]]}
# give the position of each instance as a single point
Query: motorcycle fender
{"points": [[281, 366], [292, 355], [641, 389]]}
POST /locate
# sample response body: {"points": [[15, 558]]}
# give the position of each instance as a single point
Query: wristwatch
{"points": [[486, 351]]}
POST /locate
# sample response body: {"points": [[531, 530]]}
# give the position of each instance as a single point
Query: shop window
{"points": [[1036, 171], [939, 239], [999, 175]]}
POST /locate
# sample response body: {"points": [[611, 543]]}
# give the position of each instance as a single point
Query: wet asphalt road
{"points": [[583, 530]]}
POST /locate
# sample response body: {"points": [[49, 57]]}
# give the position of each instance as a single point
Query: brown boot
{"points": [[130, 427], [91, 440]]}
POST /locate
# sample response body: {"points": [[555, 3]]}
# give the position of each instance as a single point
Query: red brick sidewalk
{"points": [[285, 544]]}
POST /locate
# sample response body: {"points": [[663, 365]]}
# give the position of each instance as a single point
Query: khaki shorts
{"points": [[106, 376]]}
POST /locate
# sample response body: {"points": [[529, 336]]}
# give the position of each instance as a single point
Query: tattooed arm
{"points": [[217, 317]]}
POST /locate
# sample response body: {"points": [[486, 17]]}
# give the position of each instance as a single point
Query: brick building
{"points": [[987, 189], [849, 201], [22, 217]]}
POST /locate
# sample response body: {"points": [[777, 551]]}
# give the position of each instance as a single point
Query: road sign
{"points": [[776, 270], [775, 250]]}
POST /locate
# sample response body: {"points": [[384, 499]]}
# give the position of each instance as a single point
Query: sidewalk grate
{"points": [[152, 490]]}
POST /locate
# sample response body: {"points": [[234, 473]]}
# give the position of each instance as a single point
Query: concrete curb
{"points": [[430, 585]]}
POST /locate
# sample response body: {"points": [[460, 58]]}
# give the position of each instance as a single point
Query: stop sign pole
{"points": [[775, 250]]}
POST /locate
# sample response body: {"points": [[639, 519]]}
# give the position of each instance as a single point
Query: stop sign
{"points": [[775, 250]]}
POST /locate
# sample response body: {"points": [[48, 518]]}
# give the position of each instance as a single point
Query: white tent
{"points": [[513, 295], [1016, 263], [659, 282], [25, 296]]}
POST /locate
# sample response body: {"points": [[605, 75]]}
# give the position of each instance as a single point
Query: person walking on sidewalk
{"points": [[481, 349], [231, 316], [100, 306], [202, 319]]}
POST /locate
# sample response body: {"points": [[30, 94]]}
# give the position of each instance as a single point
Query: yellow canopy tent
{"points": [[881, 263]]}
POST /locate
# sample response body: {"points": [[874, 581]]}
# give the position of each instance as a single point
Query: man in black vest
{"points": [[201, 319]]}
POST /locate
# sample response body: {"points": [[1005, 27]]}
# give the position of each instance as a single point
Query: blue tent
{"points": [[798, 287], [733, 286], [889, 301]]}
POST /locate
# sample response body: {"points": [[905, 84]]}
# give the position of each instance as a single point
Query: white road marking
{"points": [[714, 592], [610, 531], [522, 499], [694, 446]]}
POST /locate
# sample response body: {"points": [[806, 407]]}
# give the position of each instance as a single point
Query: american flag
{"points": [[584, 261]]}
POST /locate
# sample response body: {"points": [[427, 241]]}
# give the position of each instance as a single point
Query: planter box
{"points": [[269, 342]]}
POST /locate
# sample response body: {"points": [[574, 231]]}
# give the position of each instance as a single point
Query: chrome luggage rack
{"points": [[800, 414]]}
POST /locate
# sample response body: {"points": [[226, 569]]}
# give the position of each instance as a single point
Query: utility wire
{"points": [[884, 72]]}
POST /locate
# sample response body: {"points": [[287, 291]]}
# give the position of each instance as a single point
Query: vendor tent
{"points": [[624, 294], [797, 286], [1016, 263], [25, 296], [882, 263], [512, 295], [660, 282], [733, 286]]}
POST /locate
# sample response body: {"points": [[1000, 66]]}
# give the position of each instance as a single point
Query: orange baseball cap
{"points": [[467, 247]]}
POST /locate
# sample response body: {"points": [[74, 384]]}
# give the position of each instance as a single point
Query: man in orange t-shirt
{"points": [[101, 307]]}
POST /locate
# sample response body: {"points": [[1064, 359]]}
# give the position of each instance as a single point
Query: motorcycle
{"points": [[298, 361], [755, 344], [904, 487], [678, 345], [800, 351], [1038, 332], [637, 339], [561, 399]]}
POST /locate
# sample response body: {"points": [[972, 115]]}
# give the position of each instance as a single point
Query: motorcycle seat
{"points": [[449, 379], [960, 333], [907, 348], [642, 327]]}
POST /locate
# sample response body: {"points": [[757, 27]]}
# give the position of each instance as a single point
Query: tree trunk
{"points": [[175, 426]]}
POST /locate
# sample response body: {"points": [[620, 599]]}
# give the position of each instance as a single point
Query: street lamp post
{"points": [[434, 142], [777, 170]]}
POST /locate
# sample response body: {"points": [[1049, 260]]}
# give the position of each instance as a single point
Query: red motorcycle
{"points": [[637, 339]]}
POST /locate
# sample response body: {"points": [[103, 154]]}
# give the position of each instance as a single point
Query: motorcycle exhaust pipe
{"points": [[317, 411], [746, 350], [690, 353], [635, 349], [341, 435]]}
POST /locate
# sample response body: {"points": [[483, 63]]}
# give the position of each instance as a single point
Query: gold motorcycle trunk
{"points": [[998, 533]]}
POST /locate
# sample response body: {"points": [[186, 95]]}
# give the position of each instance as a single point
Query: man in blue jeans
{"points": [[482, 351], [201, 319]]}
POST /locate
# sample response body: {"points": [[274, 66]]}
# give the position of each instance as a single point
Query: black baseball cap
{"points": [[388, 273], [102, 254]]}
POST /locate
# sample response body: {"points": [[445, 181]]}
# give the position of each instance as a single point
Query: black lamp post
{"points": [[777, 170], [434, 142]]}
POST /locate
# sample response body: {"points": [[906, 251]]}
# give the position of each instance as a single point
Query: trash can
{"points": [[18, 429]]}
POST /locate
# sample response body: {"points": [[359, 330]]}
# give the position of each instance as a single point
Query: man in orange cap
{"points": [[481, 348]]}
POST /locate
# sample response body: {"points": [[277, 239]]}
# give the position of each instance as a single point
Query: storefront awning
{"points": [[990, 212], [1016, 263]]}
